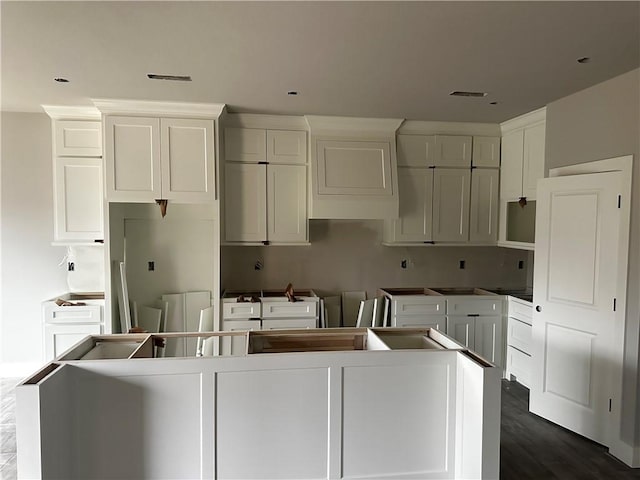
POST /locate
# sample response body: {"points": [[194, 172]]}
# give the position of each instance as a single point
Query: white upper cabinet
{"points": [[451, 189], [159, 158], [265, 196], [486, 152], [483, 223], [416, 205], [187, 160], [438, 151], [523, 146], [416, 150], [76, 138], [453, 151]]}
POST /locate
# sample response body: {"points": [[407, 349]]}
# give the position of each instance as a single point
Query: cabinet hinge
{"points": [[614, 304], [610, 401], [619, 200]]}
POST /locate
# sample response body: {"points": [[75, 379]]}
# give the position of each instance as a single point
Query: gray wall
{"points": [[597, 123], [349, 255], [29, 271]]}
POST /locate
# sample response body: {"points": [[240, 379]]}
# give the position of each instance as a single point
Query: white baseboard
{"points": [[19, 370]]}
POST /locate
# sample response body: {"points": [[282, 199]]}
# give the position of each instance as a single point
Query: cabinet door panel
{"points": [[237, 345], [187, 160], [288, 147], [453, 151], [287, 203], [416, 150], [132, 159], [533, 163], [486, 152], [511, 168], [462, 329], [244, 203], [415, 189], [289, 323], [78, 199], [245, 145], [488, 338], [433, 321], [59, 338], [451, 205], [483, 225], [75, 138]]}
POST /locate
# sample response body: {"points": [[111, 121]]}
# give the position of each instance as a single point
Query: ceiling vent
{"points": [[458, 93], [175, 78]]}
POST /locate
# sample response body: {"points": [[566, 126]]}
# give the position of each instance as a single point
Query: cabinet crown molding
{"points": [[350, 126], [525, 120], [420, 127], [61, 112], [159, 109]]}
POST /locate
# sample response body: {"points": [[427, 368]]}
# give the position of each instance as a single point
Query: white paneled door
{"points": [[575, 283]]}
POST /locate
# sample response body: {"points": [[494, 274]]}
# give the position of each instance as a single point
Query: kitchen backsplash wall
{"points": [[349, 255]]}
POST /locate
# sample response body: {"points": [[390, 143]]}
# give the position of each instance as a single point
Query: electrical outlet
{"points": [[403, 264], [462, 264], [71, 266], [151, 266], [520, 264]]}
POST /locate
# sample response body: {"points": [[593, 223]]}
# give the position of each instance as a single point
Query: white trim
{"points": [[19, 369], [350, 126], [159, 109], [526, 120], [418, 127], [273, 122], [58, 112], [623, 164]]}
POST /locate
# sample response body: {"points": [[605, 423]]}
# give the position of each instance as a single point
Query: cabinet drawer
{"points": [[240, 310], [418, 305], [70, 314], [519, 335], [439, 322], [519, 365], [475, 306], [289, 323], [285, 309], [521, 311]]}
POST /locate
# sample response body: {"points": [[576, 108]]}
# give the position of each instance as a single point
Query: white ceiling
{"points": [[374, 59]]}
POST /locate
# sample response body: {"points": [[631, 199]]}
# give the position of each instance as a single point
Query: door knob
{"points": [[538, 308]]}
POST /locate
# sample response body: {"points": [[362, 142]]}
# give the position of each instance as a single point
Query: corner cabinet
{"points": [[265, 186], [159, 158], [77, 175]]}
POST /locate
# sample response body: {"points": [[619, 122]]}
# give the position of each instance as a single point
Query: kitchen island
{"points": [[300, 404]]}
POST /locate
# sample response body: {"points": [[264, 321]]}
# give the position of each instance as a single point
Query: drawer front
{"points": [[418, 305], [54, 314], [242, 310], [519, 365], [439, 322], [521, 311], [289, 309], [292, 323], [519, 335], [475, 306]]}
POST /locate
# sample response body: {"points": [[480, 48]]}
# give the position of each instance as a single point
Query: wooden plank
{"points": [[350, 307]]}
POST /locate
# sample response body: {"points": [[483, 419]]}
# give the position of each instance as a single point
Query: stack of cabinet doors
{"points": [[448, 186]]}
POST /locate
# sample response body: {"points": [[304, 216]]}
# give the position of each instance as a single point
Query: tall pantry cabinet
{"points": [[161, 153]]}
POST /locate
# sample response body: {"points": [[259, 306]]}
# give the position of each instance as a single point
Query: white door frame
{"points": [[624, 164]]}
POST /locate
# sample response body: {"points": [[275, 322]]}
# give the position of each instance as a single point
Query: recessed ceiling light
{"points": [[175, 78], [61, 80], [462, 93], [584, 60], [293, 93]]}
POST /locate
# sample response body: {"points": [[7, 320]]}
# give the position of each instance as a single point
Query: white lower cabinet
{"points": [[237, 345], [438, 322], [59, 338], [482, 334], [518, 364], [64, 326]]}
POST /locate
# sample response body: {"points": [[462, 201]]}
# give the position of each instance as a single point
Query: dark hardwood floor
{"points": [[533, 448]]}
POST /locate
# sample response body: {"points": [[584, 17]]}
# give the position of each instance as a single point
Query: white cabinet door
{"points": [[486, 152], [75, 138], [288, 323], [289, 147], [354, 168], [237, 345], [488, 340], [286, 203], [483, 224], [462, 328], [518, 364], [511, 168], [533, 161], [244, 202], [78, 198], [187, 158], [453, 151], [132, 159], [60, 337], [415, 188], [245, 145], [451, 204], [416, 150]]}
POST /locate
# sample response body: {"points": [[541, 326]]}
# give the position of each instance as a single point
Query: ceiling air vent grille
{"points": [[458, 93], [175, 78]]}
